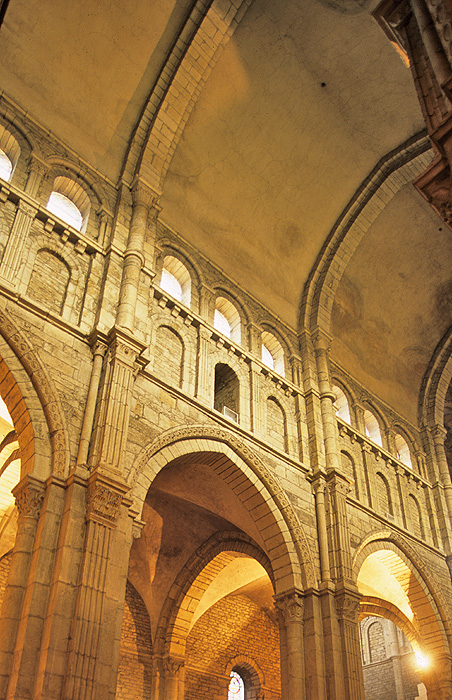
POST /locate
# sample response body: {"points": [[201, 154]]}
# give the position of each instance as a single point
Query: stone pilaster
{"points": [[93, 631], [290, 608], [12, 256], [45, 505], [338, 487], [347, 606], [204, 377], [112, 420], [29, 495], [37, 169], [257, 405]]}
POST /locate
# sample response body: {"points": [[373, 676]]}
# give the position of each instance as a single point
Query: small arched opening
{"points": [[175, 279], [226, 319], [227, 392]]}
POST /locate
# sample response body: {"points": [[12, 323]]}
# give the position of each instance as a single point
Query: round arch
{"points": [[190, 585], [253, 483], [426, 600], [30, 386]]}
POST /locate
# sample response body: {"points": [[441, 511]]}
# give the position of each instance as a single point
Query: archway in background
{"points": [[392, 580]]}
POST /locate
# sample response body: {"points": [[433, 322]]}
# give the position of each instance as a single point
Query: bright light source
{"points": [[422, 661]]}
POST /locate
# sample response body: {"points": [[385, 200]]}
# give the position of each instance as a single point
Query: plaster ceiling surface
{"points": [[84, 70], [269, 157], [395, 301]]}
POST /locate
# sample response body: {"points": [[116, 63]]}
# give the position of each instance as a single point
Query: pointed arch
{"points": [[187, 590], [391, 173], [254, 484], [429, 605]]}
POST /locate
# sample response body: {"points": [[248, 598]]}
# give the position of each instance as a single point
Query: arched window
{"points": [[6, 167], [175, 280], [236, 690], [227, 319], [69, 202], [9, 153], [341, 404], [372, 428], [272, 353], [403, 451]]}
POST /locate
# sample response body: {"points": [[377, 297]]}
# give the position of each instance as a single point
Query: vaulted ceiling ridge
{"points": [[205, 33], [396, 169]]}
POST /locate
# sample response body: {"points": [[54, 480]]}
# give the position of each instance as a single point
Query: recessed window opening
{"points": [[6, 167], [236, 690], [226, 392], [403, 451], [341, 406], [61, 206], [176, 280], [372, 428], [267, 357], [9, 153], [170, 284], [227, 319], [272, 353], [69, 202]]}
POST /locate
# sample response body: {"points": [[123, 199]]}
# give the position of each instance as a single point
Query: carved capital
{"points": [[347, 605], [37, 165], [143, 194], [124, 347], [29, 495], [105, 496], [290, 608], [27, 209], [172, 666]]}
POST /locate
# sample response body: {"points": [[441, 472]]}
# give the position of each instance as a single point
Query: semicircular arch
{"points": [[255, 486]]}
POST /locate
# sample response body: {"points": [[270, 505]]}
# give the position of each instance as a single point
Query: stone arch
{"points": [[255, 679], [435, 383], [351, 399], [392, 172], [428, 604], [63, 167], [161, 125], [378, 607], [249, 476], [242, 310], [28, 375], [188, 588], [27, 146]]}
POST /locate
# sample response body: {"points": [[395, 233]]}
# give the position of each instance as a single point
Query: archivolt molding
{"points": [[45, 390], [198, 433], [386, 539], [396, 169], [195, 53]]}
